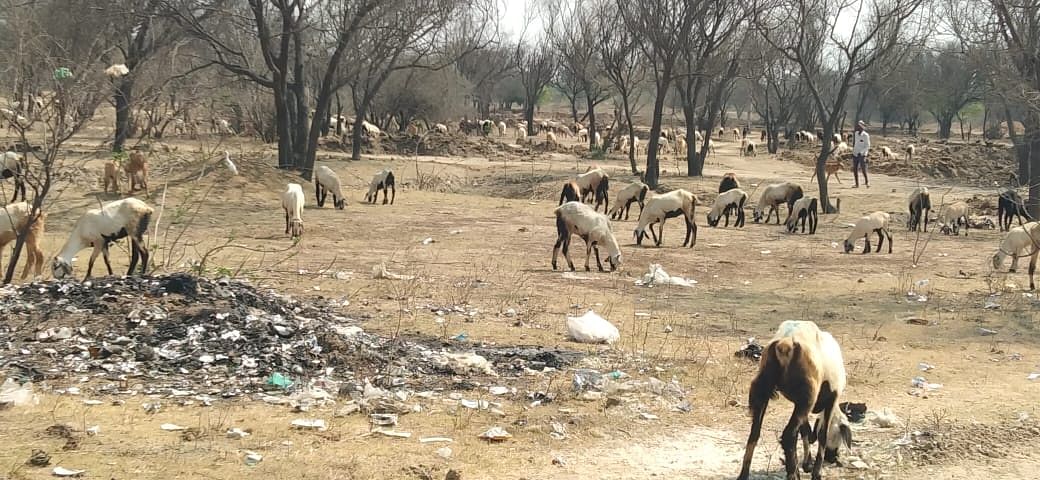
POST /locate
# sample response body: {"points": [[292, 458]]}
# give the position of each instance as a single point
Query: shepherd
{"points": [[860, 148]]}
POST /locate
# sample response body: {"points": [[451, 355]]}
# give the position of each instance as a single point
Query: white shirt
{"points": [[860, 143]]}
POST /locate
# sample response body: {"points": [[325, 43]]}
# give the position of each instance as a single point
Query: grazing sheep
{"points": [[920, 204], [773, 196], [99, 227], [836, 139], [951, 217], [622, 144], [111, 176], [442, 128], [1017, 243], [729, 182], [633, 193], [521, 134], [876, 222], [550, 139], [726, 202], [576, 218], [665, 206], [1010, 204], [383, 180], [137, 172], [909, 151], [326, 181], [224, 128], [13, 166], [680, 145], [571, 193], [805, 365], [887, 152], [748, 148], [595, 183], [841, 147], [501, 129], [736, 134], [805, 208], [832, 168], [14, 217], [292, 204], [583, 135]]}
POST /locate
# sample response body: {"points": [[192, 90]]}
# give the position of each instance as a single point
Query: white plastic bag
{"points": [[657, 276], [592, 328], [19, 396]]}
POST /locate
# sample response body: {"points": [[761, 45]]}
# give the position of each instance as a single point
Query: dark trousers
{"points": [[859, 162]]}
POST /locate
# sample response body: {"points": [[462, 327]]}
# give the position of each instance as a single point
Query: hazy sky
{"points": [[512, 18]]}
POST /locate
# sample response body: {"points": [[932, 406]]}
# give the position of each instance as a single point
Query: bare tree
{"points": [[623, 67], [575, 37], [535, 67], [778, 90], [832, 57], [485, 69], [951, 83]]}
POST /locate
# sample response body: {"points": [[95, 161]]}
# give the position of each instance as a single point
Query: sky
{"points": [[511, 18]]}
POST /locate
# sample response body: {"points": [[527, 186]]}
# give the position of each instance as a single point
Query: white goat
{"points": [[876, 222], [292, 204], [326, 181], [99, 227], [665, 206], [576, 218]]}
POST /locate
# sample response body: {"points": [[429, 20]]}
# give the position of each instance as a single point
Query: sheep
{"points": [[292, 204], [875, 222], [841, 147], [680, 145], [748, 148], [951, 216], [909, 151], [726, 202], [1017, 243], [599, 139], [635, 144], [665, 206], [576, 218], [920, 204], [224, 128], [14, 217], [805, 208], [805, 365], [137, 172], [13, 166], [729, 182], [832, 168], [326, 181], [116, 71], [111, 176], [774, 195], [736, 134], [501, 129], [571, 193], [99, 227], [633, 193], [836, 139], [550, 139], [383, 180], [583, 135], [887, 152], [595, 183], [662, 145], [1010, 204], [442, 128], [521, 134]]}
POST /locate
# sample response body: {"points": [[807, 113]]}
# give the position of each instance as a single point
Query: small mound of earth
{"points": [[960, 441]]}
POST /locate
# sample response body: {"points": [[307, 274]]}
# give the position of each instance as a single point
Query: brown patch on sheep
{"points": [[137, 172]]}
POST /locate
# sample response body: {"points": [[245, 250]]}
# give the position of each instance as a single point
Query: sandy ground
{"points": [[492, 226]]}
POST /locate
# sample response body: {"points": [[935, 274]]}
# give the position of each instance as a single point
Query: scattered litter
{"points": [[558, 460], [747, 282], [309, 424], [38, 458], [383, 419], [920, 382], [886, 419], [237, 433], [657, 276], [585, 379], [765, 252], [496, 434], [464, 363], [252, 458], [985, 332], [1033, 376], [443, 452], [171, 427], [278, 380], [475, 404], [394, 433], [12, 394], [380, 272], [66, 472], [859, 465], [917, 321], [924, 367], [462, 337], [428, 240], [648, 416], [435, 440], [591, 328], [752, 350], [991, 305], [93, 430], [498, 390]]}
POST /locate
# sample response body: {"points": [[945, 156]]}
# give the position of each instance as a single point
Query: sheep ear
{"points": [[846, 435]]}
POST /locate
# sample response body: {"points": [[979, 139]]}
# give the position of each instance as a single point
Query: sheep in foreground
{"points": [[571, 193], [804, 209], [595, 183], [832, 168], [920, 204], [876, 222], [292, 204], [13, 166], [633, 193], [383, 180], [665, 206], [137, 172], [805, 365], [724, 204], [576, 218], [774, 195], [326, 181], [1017, 243], [14, 218], [1009, 205], [99, 227], [951, 217], [111, 176], [729, 182]]}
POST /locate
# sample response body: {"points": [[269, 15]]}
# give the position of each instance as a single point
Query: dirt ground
{"points": [[491, 223]]}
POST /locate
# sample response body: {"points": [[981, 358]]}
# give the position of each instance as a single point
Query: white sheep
{"points": [[951, 217], [680, 145], [550, 139], [876, 222], [99, 227], [292, 204], [841, 147], [14, 217], [583, 135], [12, 165], [920, 204], [326, 181], [440, 127], [599, 139], [836, 138], [733, 199], [909, 151], [804, 209], [382, 180], [1017, 243], [736, 134], [886, 152], [632, 193], [501, 129], [116, 71], [805, 365], [576, 218], [665, 206], [773, 196], [224, 128], [595, 184]]}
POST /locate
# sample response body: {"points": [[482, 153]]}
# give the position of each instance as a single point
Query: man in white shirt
{"points": [[860, 148]]}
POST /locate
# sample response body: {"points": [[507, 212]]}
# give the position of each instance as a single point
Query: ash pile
{"points": [[181, 335]]}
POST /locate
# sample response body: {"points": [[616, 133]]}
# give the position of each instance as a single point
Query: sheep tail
{"points": [[603, 188], [561, 226], [785, 350], [642, 194], [813, 205]]}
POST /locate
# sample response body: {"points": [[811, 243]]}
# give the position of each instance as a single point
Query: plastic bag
{"points": [[657, 276], [592, 328]]}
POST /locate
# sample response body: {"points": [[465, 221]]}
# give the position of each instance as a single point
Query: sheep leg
{"points": [[813, 221], [286, 220], [104, 256], [691, 232], [1014, 263], [652, 233], [1032, 268], [807, 438], [880, 240], [866, 246], [759, 400], [821, 437], [317, 195], [90, 263], [789, 438], [595, 248], [567, 252], [588, 251], [925, 212], [134, 257], [393, 192], [889, 235], [660, 232]]}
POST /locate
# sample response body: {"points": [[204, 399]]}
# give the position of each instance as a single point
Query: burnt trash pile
{"points": [[221, 337]]}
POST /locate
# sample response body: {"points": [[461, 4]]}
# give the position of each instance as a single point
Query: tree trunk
{"points": [[945, 124], [694, 162], [282, 119], [652, 170], [574, 107], [591, 102], [532, 129], [124, 92], [631, 134]]}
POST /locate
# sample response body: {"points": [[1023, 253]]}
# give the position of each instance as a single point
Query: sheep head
{"points": [[60, 268]]}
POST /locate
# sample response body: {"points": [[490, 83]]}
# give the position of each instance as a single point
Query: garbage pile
{"points": [[180, 333]]}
